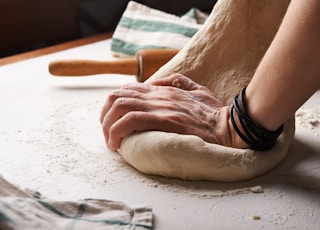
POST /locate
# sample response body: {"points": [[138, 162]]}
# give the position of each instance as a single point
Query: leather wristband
{"points": [[253, 135]]}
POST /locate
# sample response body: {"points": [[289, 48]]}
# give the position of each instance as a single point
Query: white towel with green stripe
{"points": [[142, 27], [24, 209]]}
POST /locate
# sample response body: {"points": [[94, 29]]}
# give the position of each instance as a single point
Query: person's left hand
{"points": [[173, 104]]}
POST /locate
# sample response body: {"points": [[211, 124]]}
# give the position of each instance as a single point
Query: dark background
{"points": [[30, 24]]}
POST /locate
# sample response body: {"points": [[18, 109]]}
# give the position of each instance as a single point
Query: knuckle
{"points": [[122, 103], [113, 96], [133, 117]]}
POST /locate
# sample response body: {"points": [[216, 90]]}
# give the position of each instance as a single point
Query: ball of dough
{"points": [[191, 158]]}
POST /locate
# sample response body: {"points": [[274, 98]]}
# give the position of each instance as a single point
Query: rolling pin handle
{"points": [[91, 67]]}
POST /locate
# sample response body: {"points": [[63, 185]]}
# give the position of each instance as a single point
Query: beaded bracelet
{"points": [[256, 137]]}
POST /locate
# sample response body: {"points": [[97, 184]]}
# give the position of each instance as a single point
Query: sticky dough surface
{"points": [[223, 56]]}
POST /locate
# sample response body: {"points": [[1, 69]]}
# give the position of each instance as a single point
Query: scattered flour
{"points": [[309, 118]]}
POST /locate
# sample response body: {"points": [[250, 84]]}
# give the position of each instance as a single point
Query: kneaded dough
{"points": [[191, 158], [222, 56]]}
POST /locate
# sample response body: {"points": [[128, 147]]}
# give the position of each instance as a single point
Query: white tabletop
{"points": [[51, 141]]}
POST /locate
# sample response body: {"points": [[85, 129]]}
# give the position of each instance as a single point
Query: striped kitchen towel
{"points": [[142, 27], [24, 209]]}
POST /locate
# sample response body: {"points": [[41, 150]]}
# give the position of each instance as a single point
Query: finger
{"points": [[138, 121], [139, 87], [185, 84], [121, 93], [118, 109], [166, 81], [178, 81], [128, 124]]}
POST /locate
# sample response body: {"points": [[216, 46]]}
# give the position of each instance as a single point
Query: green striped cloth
{"points": [[23, 209], [141, 27]]}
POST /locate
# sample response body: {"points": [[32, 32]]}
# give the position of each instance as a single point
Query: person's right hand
{"points": [[173, 104]]}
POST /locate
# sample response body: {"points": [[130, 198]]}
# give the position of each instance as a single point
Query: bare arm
{"points": [[290, 71], [286, 77]]}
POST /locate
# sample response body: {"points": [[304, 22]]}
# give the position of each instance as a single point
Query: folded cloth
{"points": [[23, 209], [141, 27]]}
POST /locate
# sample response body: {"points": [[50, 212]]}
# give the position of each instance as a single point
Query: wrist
{"points": [[227, 134], [255, 136]]}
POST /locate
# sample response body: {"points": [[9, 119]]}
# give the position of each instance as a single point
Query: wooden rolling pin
{"points": [[143, 65]]}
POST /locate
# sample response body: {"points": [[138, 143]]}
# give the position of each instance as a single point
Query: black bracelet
{"points": [[256, 137]]}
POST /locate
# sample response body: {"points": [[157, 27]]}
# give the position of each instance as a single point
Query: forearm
{"points": [[290, 71]]}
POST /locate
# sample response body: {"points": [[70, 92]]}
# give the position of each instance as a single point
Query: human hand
{"points": [[173, 104]]}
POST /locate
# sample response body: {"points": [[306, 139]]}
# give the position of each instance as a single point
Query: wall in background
{"points": [[30, 24], [98, 16]]}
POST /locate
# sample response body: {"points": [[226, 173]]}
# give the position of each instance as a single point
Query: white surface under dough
{"points": [[51, 141]]}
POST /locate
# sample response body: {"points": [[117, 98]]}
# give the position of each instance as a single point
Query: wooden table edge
{"points": [[54, 48]]}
